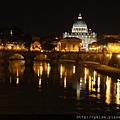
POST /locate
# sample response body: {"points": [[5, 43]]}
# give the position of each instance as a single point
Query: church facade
{"points": [[81, 31]]}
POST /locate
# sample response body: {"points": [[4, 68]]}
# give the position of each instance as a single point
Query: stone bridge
{"points": [[55, 56]]}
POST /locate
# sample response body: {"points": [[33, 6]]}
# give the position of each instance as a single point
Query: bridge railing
{"points": [[47, 51]]}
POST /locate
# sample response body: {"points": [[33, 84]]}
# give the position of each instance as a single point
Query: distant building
{"points": [[11, 31], [10, 37], [113, 47], [35, 46], [11, 46], [94, 47], [69, 44], [116, 36], [80, 30]]}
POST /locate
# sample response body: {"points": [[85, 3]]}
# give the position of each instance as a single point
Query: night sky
{"points": [[50, 17]]}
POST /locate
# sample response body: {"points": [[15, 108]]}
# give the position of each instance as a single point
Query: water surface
{"points": [[62, 89]]}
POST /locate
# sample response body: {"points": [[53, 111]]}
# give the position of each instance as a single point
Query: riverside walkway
{"points": [[104, 69]]}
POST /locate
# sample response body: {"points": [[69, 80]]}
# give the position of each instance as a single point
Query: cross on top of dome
{"points": [[79, 17]]}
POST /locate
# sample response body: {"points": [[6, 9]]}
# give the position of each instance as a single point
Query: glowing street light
{"points": [[118, 56], [108, 55]]}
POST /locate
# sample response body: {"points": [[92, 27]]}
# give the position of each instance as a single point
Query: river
{"points": [[63, 89]]}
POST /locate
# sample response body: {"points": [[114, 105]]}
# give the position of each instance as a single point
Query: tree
{"points": [[48, 46]]}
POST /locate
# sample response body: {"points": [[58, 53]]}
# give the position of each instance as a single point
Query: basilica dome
{"points": [[79, 26]]}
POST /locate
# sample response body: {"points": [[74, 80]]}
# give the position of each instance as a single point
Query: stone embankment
{"points": [[103, 69]]}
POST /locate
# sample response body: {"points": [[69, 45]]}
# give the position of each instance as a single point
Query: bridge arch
{"points": [[93, 57], [41, 57], [15, 59], [16, 56], [67, 57]]}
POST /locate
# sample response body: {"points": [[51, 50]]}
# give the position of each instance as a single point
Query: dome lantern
{"points": [[79, 17], [79, 26]]}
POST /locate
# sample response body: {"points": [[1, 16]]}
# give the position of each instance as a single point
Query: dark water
{"points": [[66, 89]]}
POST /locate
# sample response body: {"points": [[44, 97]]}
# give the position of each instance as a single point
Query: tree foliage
{"points": [[48, 46]]}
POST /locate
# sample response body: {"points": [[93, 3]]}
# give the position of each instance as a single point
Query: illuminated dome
{"points": [[79, 26]]}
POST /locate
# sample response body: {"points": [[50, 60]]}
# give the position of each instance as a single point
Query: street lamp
{"points": [[118, 56], [108, 55]]}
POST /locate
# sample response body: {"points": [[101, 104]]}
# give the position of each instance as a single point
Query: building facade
{"points": [[35, 46], [115, 36], [81, 31], [69, 45]]}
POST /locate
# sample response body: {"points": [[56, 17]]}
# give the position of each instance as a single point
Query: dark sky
{"points": [[50, 17]]}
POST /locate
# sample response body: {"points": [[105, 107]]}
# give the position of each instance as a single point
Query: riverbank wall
{"points": [[104, 69]]}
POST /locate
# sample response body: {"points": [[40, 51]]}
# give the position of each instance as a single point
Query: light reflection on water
{"points": [[63, 89]]}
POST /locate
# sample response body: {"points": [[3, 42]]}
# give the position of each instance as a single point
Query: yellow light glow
{"points": [[17, 47], [40, 82], [65, 81], [9, 47], [108, 85], [118, 92], [92, 86], [61, 71], [17, 81], [93, 81], [90, 83], [110, 55], [86, 72], [99, 84], [48, 70], [94, 77], [41, 70], [73, 69], [119, 56], [80, 80], [78, 93]]}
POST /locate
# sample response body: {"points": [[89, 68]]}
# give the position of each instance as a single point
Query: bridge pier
{"points": [[78, 61], [29, 71], [28, 62], [5, 62], [5, 66], [54, 62]]}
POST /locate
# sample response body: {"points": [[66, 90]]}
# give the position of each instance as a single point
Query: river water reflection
{"points": [[63, 89]]}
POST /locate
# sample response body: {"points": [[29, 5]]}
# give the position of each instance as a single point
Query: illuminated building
{"points": [[94, 47], [115, 36], [113, 47], [35, 46], [80, 30], [69, 44]]}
